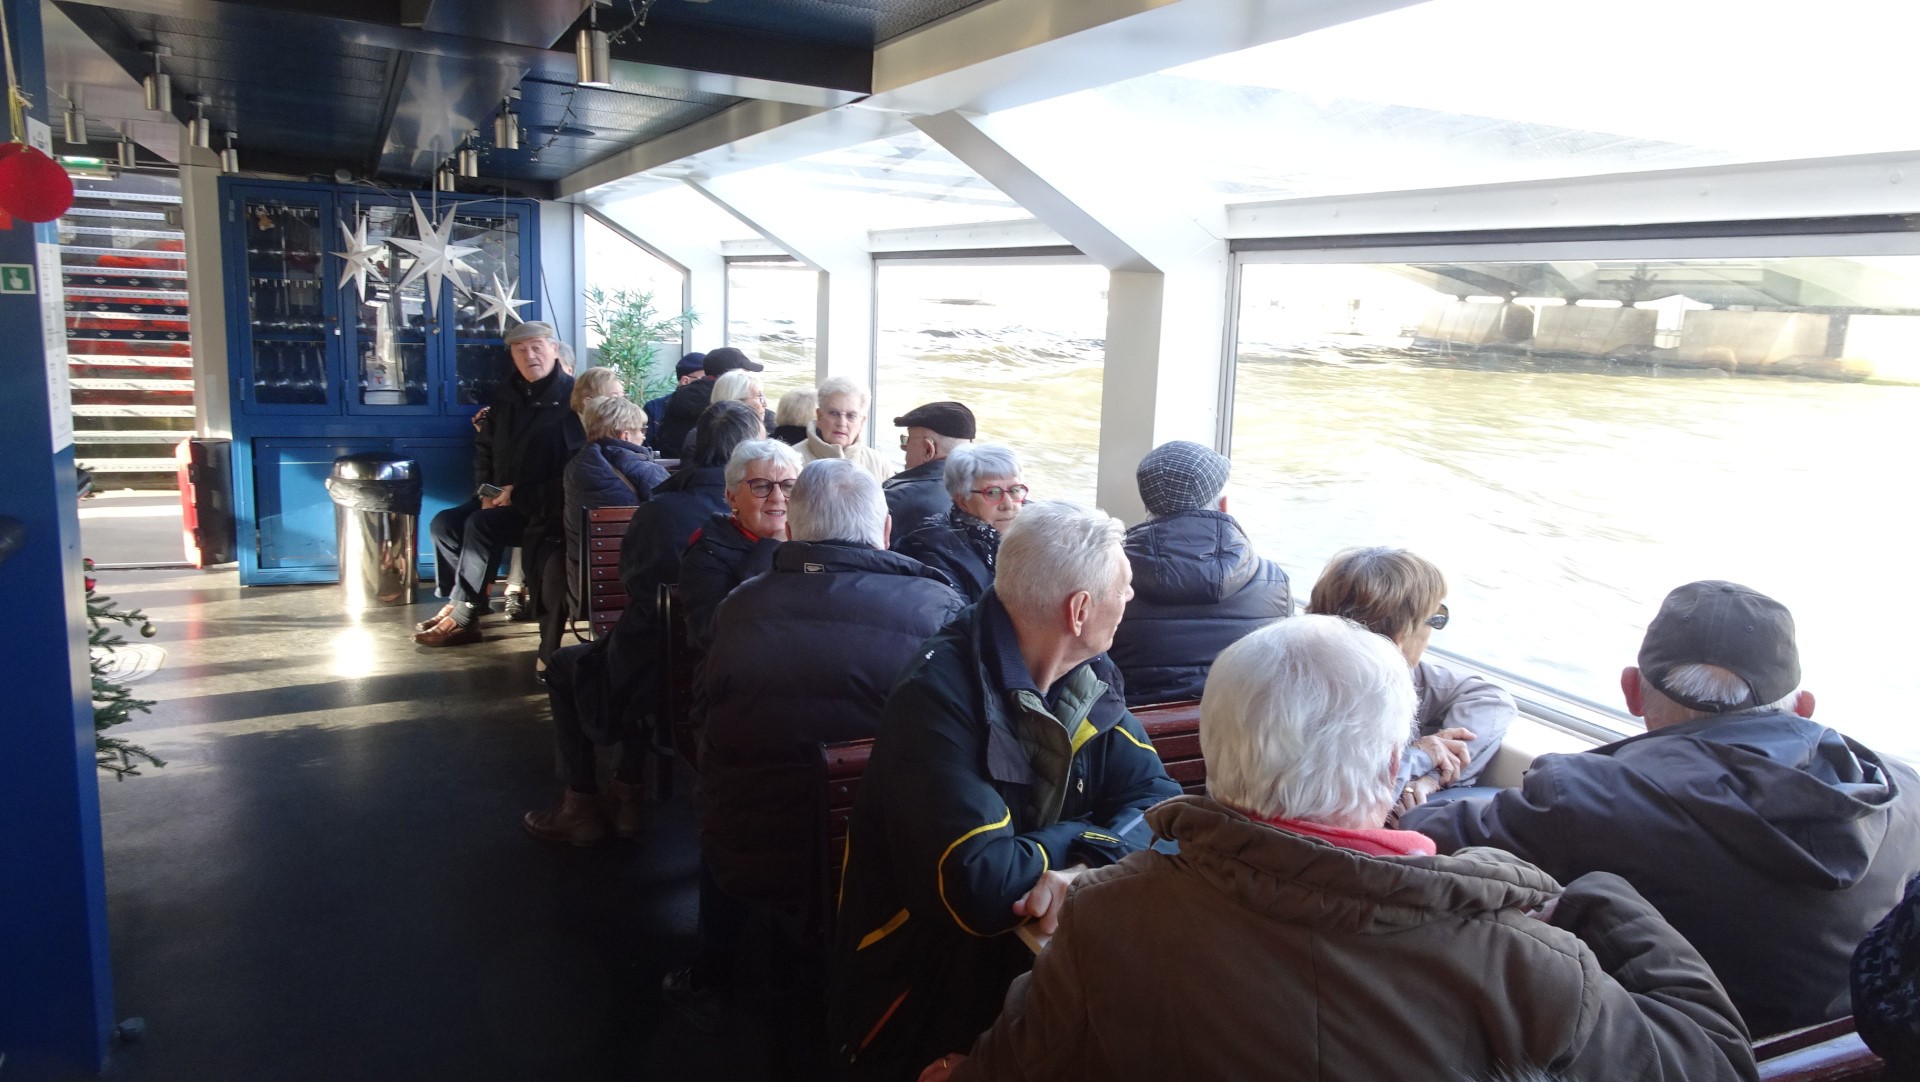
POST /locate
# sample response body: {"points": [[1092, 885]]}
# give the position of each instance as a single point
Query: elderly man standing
{"points": [[1773, 843], [1198, 586], [984, 496], [917, 493], [1294, 939], [1005, 764], [801, 656], [519, 460]]}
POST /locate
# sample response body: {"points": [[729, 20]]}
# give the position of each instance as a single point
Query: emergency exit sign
{"points": [[16, 278]]}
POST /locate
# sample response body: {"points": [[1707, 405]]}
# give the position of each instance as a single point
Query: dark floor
{"points": [[329, 879]]}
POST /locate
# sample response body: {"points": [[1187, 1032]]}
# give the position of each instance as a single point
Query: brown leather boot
{"points": [[579, 820], [627, 801]]}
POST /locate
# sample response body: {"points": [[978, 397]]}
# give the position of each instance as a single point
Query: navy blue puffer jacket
{"points": [[606, 473]]}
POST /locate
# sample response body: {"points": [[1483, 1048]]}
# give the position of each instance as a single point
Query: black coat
{"points": [[963, 555], [916, 495], [792, 435], [656, 411], [605, 473], [801, 656], [527, 439], [1198, 586], [721, 556], [973, 790], [684, 408], [1770, 841]]}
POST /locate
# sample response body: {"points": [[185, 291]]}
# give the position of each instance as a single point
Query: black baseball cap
{"points": [[725, 359], [950, 419], [691, 363], [1729, 626]]}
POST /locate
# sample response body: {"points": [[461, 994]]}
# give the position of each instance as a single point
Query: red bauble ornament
{"points": [[33, 186]]}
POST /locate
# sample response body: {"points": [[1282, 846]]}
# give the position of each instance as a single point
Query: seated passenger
{"points": [[741, 385], [612, 470], [795, 412], [596, 382], [1291, 938], [1886, 987], [734, 546], [919, 492], [801, 656], [837, 423], [1005, 764], [691, 399], [1771, 842], [690, 369], [1460, 719], [1198, 586], [599, 690], [984, 496]]}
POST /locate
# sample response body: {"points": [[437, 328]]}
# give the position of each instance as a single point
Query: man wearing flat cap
{"points": [[1198, 585], [1771, 842], [521, 452], [917, 493]]}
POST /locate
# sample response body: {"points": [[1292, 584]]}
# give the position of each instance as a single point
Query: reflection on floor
{"points": [[329, 880], [136, 528]]}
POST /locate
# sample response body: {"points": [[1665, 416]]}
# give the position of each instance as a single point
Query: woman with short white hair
{"points": [[734, 545], [1293, 937], [984, 482], [838, 421], [741, 385], [792, 416]]}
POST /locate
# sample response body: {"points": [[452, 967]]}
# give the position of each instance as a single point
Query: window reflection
{"points": [[773, 316], [1569, 440]]}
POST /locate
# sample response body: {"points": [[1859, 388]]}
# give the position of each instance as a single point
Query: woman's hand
{"points": [[1449, 751], [1417, 792]]}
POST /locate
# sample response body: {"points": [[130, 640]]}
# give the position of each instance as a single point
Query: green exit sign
{"points": [[16, 278]]}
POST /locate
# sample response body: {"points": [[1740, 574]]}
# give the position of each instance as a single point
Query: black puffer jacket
{"points": [[916, 495], [1198, 586], [960, 546], [801, 656], [606, 473], [684, 408], [527, 439], [721, 556]]}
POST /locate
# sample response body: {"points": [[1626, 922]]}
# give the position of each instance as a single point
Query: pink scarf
{"points": [[1377, 842]]}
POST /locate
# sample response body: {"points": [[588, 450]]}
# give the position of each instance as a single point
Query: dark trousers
{"points": [[550, 600], [468, 543], [573, 750]]}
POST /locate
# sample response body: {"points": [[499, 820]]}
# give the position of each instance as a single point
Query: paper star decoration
{"points": [[360, 258], [435, 256], [499, 303]]}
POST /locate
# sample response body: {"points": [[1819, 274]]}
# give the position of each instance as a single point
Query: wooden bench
{"points": [[676, 707], [1828, 1052], [601, 590], [1174, 729]]}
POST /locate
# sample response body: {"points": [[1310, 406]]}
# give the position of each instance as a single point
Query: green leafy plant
{"points": [[113, 704], [631, 333]]}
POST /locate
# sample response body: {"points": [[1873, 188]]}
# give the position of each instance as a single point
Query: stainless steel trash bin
{"points": [[376, 518]]}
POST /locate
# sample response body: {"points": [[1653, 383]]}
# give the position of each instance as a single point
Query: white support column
{"points": [[563, 270], [1162, 240], [844, 346], [662, 221], [200, 216]]}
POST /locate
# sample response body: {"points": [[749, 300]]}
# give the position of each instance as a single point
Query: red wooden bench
{"points": [[601, 590], [1828, 1052]]}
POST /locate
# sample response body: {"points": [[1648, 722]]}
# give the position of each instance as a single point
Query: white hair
{"points": [[838, 501], [1054, 550], [733, 385], [750, 453], [968, 466], [1300, 720], [796, 406], [838, 385], [1713, 684]]}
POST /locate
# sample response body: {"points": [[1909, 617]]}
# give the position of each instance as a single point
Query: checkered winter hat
{"points": [[1181, 476]]}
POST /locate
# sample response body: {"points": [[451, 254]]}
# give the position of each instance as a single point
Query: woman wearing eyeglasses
{"points": [[984, 481], [838, 420], [737, 544], [1460, 719]]}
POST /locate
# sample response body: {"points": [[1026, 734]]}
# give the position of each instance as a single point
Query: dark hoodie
{"points": [[1198, 587], [1771, 842]]}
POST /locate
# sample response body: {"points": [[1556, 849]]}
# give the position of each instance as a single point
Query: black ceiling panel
{"points": [[864, 23]]}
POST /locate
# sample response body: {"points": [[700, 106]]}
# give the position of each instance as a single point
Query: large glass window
{"points": [[1569, 439], [773, 315], [615, 263], [1021, 343]]}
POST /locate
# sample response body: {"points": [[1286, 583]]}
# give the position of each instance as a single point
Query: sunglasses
{"points": [[762, 488], [1439, 619], [1018, 492]]}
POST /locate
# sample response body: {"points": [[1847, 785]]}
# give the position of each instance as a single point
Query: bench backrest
{"points": [[601, 592], [677, 659], [1828, 1052]]}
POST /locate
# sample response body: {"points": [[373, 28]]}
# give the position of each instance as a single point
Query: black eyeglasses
{"points": [[1439, 619], [762, 488], [994, 492]]}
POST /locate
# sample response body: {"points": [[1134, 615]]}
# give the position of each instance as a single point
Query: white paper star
{"points": [[435, 255], [360, 258], [499, 303]]}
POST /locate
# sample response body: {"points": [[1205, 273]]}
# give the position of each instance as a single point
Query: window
{"points": [[614, 262], [1569, 438], [773, 315], [1021, 343]]}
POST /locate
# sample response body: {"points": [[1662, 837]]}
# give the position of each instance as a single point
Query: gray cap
{"points": [[1727, 625], [523, 331], [1181, 476]]}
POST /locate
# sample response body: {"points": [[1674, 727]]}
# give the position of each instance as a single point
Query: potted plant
{"points": [[631, 334]]}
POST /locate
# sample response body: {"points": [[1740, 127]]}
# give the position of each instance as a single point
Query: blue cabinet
{"points": [[323, 366]]}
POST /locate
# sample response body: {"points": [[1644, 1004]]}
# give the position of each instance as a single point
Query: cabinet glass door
{"points": [[481, 315], [389, 360], [287, 305]]}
